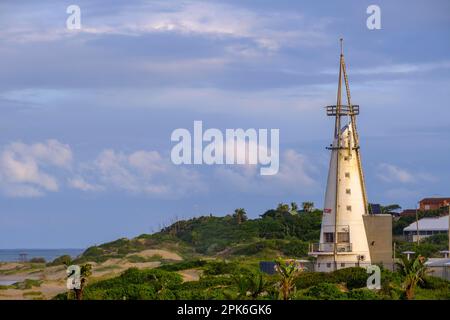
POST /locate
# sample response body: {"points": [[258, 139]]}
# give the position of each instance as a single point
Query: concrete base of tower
{"points": [[327, 263]]}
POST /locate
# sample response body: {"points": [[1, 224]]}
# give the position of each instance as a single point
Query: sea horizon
{"points": [[49, 254]]}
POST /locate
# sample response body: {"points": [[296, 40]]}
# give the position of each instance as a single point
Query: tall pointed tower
{"points": [[343, 240]]}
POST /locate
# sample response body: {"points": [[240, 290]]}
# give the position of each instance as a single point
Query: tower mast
{"points": [[352, 113]]}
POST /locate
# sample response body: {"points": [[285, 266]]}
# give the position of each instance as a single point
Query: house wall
{"points": [[379, 236]]}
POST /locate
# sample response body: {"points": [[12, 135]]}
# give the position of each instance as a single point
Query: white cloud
{"points": [[394, 174], [81, 184], [402, 68], [144, 172], [23, 167], [267, 30], [295, 176]]}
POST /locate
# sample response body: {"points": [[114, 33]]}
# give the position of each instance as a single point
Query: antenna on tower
{"points": [[342, 46]]}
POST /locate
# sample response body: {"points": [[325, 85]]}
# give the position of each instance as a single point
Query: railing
{"points": [[329, 247], [343, 111]]}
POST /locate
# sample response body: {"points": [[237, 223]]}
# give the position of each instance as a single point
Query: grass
{"points": [[107, 268]]}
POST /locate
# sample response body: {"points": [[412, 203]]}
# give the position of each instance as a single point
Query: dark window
{"points": [[328, 236]]}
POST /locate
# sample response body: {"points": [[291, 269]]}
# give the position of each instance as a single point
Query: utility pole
{"points": [[417, 225]]}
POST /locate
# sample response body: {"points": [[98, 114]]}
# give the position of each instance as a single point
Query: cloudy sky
{"points": [[86, 115]]}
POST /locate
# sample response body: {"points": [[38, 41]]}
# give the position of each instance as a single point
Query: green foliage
{"points": [[135, 284], [250, 284], [430, 282], [354, 277], [288, 273], [62, 260], [325, 291], [218, 267], [363, 294], [184, 265], [37, 260], [26, 284], [413, 272], [428, 247]]}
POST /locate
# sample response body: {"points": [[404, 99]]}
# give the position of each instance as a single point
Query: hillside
{"points": [[276, 232], [200, 257]]}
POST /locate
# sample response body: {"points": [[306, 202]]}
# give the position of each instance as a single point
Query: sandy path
{"points": [[190, 274]]}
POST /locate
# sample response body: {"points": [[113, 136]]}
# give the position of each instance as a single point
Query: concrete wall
{"points": [[379, 236]]}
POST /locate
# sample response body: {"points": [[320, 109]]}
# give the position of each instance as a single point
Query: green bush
{"points": [[62, 260], [135, 284], [309, 279], [184, 265], [362, 294], [27, 284], [354, 277], [435, 283], [325, 291], [220, 267]]}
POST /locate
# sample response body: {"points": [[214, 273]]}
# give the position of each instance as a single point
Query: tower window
{"points": [[347, 174], [328, 265], [328, 236], [349, 208], [343, 237], [346, 158], [348, 191]]}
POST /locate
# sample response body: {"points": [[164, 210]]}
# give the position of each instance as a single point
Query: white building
{"points": [[426, 227], [344, 238]]}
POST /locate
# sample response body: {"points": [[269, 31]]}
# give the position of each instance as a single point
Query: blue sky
{"points": [[86, 115]]}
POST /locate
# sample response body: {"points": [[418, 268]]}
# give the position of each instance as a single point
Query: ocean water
{"points": [[13, 255]]}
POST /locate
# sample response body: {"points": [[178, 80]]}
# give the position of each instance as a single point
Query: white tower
{"points": [[343, 240]]}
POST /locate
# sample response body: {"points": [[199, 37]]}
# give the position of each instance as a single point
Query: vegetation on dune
{"points": [[238, 280], [428, 247], [288, 272], [283, 231], [414, 272], [215, 248]]}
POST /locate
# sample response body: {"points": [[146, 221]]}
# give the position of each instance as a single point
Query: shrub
{"points": [[325, 291], [435, 283], [363, 294], [309, 279], [354, 277], [135, 284], [65, 259], [27, 284], [220, 267], [183, 265], [37, 260]]}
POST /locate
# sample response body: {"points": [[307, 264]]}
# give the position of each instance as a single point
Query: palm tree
{"points": [[282, 207], [294, 207], [251, 284], [240, 215], [413, 271], [288, 272], [307, 206], [390, 209]]}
